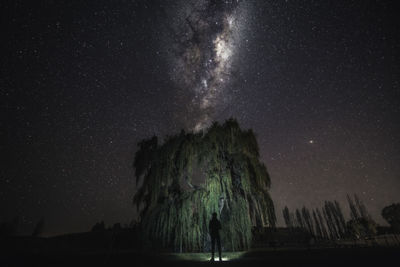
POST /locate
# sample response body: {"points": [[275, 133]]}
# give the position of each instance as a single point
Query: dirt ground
{"points": [[378, 256]]}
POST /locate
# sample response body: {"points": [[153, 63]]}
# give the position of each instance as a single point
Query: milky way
{"points": [[203, 40]]}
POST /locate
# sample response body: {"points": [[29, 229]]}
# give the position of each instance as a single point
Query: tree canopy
{"points": [[182, 181]]}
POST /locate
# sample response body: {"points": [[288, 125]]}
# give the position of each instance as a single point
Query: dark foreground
{"points": [[377, 256]]}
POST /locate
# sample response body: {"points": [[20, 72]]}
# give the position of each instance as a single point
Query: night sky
{"points": [[82, 82]]}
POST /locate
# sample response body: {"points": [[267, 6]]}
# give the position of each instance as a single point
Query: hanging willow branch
{"points": [[190, 176]]}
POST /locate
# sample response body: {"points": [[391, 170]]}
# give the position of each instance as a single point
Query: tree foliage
{"points": [[191, 175]]}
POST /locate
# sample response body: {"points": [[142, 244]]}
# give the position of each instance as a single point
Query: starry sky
{"points": [[81, 82]]}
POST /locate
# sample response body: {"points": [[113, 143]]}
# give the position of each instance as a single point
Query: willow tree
{"points": [[182, 181]]}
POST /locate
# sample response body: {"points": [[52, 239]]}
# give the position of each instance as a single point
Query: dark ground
{"points": [[378, 256]]}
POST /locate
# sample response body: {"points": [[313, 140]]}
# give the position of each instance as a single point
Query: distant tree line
{"points": [[100, 226], [11, 228], [329, 221]]}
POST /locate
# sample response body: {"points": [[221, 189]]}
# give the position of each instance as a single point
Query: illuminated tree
{"points": [[191, 175]]}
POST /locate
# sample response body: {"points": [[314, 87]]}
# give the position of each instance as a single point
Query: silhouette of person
{"points": [[214, 228]]}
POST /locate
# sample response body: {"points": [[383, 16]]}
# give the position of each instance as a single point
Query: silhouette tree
{"points": [[331, 223], [340, 218], [353, 210], [361, 227], [287, 217], [190, 176], [318, 229], [336, 218], [299, 219], [38, 230], [362, 210], [322, 224], [333, 233], [293, 220], [99, 227], [308, 224], [9, 228], [392, 215], [361, 223]]}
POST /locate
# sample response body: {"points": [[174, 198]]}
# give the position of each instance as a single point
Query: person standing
{"points": [[214, 227]]}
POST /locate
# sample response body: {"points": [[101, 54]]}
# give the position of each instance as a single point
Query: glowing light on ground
{"points": [[227, 256]]}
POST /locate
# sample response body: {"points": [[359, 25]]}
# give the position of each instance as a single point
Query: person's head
{"points": [[214, 215]]}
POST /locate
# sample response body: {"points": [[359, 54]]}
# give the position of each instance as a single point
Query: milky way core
{"points": [[202, 42]]}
